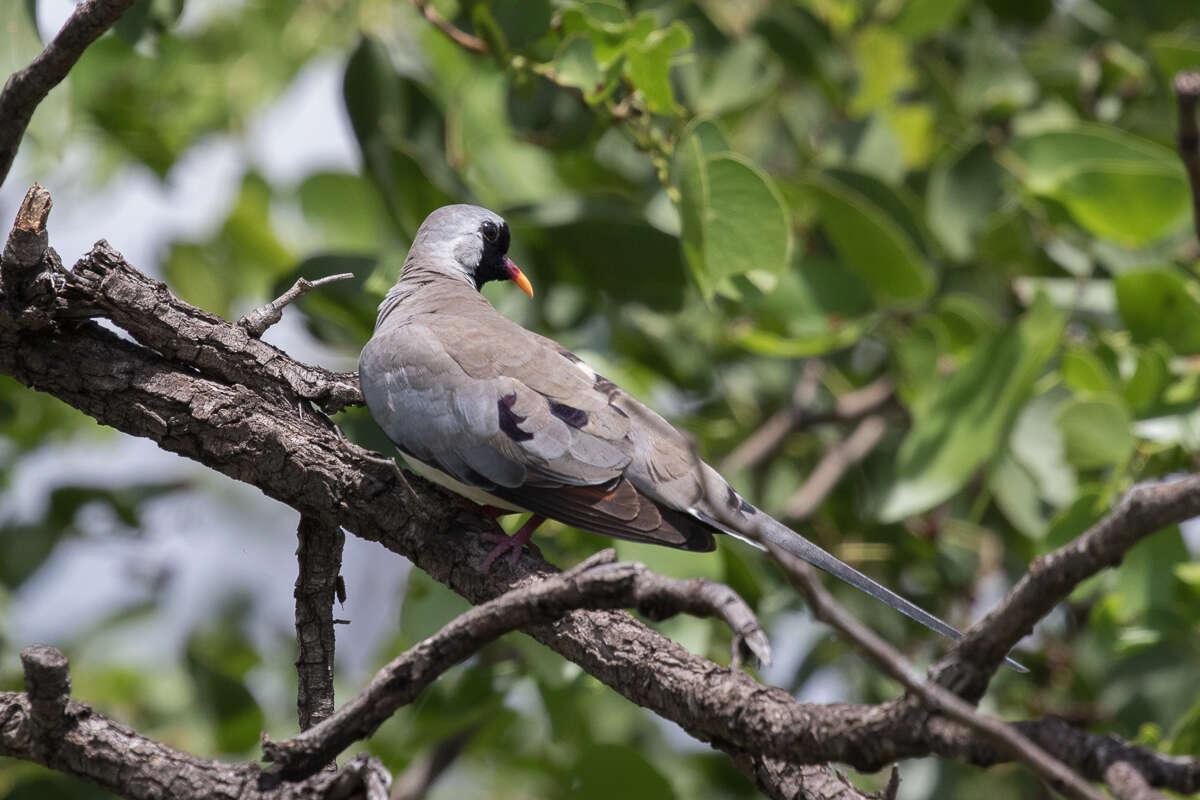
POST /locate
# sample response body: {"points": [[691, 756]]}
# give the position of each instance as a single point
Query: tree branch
{"points": [[1126, 783], [417, 779], [833, 465], [967, 669], [256, 321], [44, 726], [596, 583], [27, 88], [203, 388], [320, 556], [850, 407], [1187, 92], [891, 662], [457, 35]]}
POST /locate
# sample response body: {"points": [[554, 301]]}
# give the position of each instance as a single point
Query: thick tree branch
{"points": [[203, 388], [319, 553], [44, 726], [25, 89], [968, 667], [595, 583]]}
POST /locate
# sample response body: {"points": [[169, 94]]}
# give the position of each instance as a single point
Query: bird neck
{"points": [[424, 291]]}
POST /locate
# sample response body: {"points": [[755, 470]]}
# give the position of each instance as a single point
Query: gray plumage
{"points": [[509, 417]]}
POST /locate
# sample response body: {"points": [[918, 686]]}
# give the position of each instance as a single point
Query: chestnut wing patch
{"points": [[618, 510]]}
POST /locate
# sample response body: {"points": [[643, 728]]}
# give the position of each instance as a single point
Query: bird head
{"points": [[468, 242]]}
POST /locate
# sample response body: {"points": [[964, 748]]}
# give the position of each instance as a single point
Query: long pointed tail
{"points": [[785, 538]]}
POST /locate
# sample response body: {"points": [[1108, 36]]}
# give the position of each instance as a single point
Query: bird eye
{"points": [[489, 230]]}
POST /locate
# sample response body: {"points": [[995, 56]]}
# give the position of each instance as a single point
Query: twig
{"points": [[419, 776], [47, 684], [1187, 92], [28, 240], [1126, 783], [596, 583], [30, 270], [257, 321], [28, 87], [44, 726], [320, 557], [758, 446], [967, 668], [850, 407], [459, 36], [892, 662], [833, 465]]}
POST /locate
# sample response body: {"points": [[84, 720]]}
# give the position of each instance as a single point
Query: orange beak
{"points": [[518, 277]]}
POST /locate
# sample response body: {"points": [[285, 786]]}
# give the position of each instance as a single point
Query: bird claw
{"points": [[511, 544]]}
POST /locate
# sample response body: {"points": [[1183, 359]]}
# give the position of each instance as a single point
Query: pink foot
{"points": [[512, 544]]}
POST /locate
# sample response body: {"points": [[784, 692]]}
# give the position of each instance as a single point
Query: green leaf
{"points": [[1037, 444], [1130, 203], [650, 66], [574, 65], [1084, 373], [1174, 52], [1116, 185], [613, 770], [401, 135], [1016, 494], [963, 191], [871, 243], [826, 337], [1144, 580], [1097, 431], [970, 415], [1156, 304], [921, 18], [1144, 388], [882, 59], [732, 216], [1184, 739], [638, 263], [346, 209]]}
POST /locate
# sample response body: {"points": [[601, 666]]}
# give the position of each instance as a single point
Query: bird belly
{"points": [[435, 475]]}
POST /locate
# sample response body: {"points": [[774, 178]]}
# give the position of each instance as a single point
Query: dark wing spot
{"points": [[605, 386], [736, 502], [510, 420], [610, 390], [569, 356], [575, 417]]}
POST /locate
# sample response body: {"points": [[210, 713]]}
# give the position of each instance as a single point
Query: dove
{"points": [[512, 420]]}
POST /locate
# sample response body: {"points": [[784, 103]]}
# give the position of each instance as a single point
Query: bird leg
{"points": [[513, 544], [492, 512]]}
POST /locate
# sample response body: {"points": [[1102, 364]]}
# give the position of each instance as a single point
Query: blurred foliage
{"points": [[978, 199]]}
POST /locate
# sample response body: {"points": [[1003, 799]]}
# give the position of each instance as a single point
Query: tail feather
{"points": [[763, 526]]}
